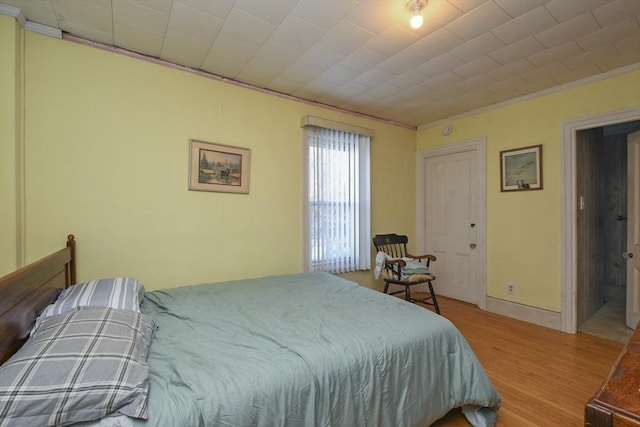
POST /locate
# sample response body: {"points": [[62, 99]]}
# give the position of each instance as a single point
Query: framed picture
{"points": [[217, 167], [521, 169]]}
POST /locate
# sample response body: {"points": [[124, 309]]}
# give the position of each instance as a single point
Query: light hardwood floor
{"points": [[544, 377]]}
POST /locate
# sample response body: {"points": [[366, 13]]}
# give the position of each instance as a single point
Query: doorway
{"points": [[594, 227], [601, 221]]}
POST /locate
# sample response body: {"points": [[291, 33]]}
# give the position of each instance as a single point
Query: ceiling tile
{"points": [[261, 71], [224, 67], [616, 11], [276, 52], [516, 8], [338, 75], [564, 10], [218, 8], [137, 41], [321, 57], [352, 89], [468, 5], [228, 49], [578, 74], [606, 36], [434, 44], [373, 15], [476, 82], [402, 62], [516, 51], [302, 72], [284, 85], [194, 23], [480, 46], [139, 18], [373, 77], [247, 28], [574, 28], [390, 41], [511, 69], [297, 33], [163, 6], [477, 66], [512, 83], [555, 54], [408, 79], [543, 77], [440, 64], [272, 11], [346, 37], [185, 49], [590, 58], [443, 80], [322, 15], [362, 59], [86, 19], [525, 25], [478, 21]]}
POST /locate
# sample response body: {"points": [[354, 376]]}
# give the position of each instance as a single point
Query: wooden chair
{"points": [[395, 247]]}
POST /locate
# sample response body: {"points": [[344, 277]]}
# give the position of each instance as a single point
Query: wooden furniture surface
{"points": [[617, 402], [27, 291]]}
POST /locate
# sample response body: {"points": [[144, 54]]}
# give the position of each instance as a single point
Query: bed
{"points": [[306, 349]]}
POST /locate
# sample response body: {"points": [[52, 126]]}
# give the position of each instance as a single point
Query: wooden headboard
{"points": [[27, 291]]}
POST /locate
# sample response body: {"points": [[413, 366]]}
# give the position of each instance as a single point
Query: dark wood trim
{"points": [[28, 290]]}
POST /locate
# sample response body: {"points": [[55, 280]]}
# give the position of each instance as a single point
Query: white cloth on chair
{"points": [[381, 257], [412, 266]]}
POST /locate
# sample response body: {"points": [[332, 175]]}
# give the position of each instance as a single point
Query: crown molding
{"points": [[16, 13]]}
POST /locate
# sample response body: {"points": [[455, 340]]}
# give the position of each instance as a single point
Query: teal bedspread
{"points": [[306, 350]]}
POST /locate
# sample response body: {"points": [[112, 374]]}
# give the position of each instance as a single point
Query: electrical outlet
{"points": [[511, 288]]}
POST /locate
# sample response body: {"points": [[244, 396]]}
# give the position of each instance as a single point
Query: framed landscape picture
{"points": [[521, 169], [218, 167]]}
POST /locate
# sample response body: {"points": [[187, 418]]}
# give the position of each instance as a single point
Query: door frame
{"points": [[568, 202], [479, 146]]}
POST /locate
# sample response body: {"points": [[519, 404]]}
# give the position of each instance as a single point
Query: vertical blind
{"points": [[338, 200]]}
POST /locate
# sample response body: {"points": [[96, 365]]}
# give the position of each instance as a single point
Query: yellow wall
{"points": [[524, 228], [106, 152], [106, 158], [11, 52]]}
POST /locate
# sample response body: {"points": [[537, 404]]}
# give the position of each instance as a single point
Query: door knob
{"points": [[473, 246], [627, 255]]}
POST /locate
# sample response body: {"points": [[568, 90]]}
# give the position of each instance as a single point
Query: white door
{"points": [[633, 231], [451, 223]]}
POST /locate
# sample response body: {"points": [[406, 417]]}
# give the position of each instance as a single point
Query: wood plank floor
{"points": [[544, 377]]}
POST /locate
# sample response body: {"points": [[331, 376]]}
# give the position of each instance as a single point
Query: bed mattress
{"points": [[306, 350]]}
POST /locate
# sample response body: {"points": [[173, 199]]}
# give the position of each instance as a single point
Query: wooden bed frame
{"points": [[27, 291]]}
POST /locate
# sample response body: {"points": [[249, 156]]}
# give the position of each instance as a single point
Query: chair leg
{"points": [[433, 297], [407, 293], [386, 287]]}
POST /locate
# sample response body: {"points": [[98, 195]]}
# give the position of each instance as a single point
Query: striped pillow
{"points": [[124, 293], [79, 366]]}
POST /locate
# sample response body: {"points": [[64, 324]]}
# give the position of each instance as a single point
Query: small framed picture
{"points": [[521, 169], [218, 167]]}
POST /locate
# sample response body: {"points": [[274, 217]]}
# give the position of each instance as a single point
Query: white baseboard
{"points": [[537, 316]]}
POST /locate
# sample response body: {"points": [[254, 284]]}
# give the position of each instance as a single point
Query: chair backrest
{"points": [[391, 244]]}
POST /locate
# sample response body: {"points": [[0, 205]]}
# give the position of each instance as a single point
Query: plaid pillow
{"points": [[125, 293], [79, 366]]}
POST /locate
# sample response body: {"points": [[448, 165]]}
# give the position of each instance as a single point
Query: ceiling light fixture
{"points": [[416, 6]]}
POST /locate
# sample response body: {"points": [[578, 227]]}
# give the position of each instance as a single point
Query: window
{"points": [[338, 206]]}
